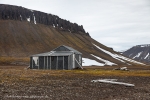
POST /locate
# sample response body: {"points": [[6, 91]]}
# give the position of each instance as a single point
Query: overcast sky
{"points": [[119, 24]]}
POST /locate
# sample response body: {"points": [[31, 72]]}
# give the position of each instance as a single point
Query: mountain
{"points": [[24, 32], [139, 52]]}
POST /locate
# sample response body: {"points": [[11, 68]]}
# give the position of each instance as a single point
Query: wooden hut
{"points": [[63, 57]]}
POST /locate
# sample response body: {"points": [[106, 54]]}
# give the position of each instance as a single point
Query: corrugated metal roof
{"points": [[52, 53], [61, 53], [67, 49], [71, 49]]}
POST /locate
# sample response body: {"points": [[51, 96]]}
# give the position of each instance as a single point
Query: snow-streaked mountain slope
{"points": [[25, 32], [140, 53], [115, 56], [89, 62]]}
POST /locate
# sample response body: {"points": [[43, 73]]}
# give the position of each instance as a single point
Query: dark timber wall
{"points": [[51, 62]]}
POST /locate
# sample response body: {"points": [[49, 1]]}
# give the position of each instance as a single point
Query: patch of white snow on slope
{"points": [[106, 61], [116, 56], [54, 25], [130, 60], [21, 17], [138, 55], [146, 56], [34, 19], [28, 19], [89, 62]]}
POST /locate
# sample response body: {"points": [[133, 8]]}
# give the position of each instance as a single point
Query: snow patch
{"points": [[106, 61], [53, 25], [138, 55], [89, 62], [28, 19], [146, 45], [146, 56], [34, 20], [115, 56], [133, 61], [21, 17], [118, 57], [69, 30], [128, 64], [142, 46]]}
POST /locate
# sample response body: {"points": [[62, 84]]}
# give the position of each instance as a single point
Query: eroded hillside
{"points": [[22, 36]]}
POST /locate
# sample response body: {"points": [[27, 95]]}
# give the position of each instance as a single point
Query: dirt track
{"points": [[69, 85]]}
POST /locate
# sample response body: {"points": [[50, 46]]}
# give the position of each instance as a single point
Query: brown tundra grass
{"points": [[19, 83]]}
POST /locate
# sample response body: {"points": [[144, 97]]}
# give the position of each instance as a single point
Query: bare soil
{"points": [[18, 83]]}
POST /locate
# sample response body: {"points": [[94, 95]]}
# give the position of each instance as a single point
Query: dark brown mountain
{"points": [[8, 12], [140, 53], [24, 32]]}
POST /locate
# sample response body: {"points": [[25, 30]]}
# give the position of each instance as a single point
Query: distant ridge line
{"points": [[143, 45], [12, 12]]}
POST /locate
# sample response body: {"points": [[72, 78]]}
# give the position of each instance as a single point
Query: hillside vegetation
{"points": [[22, 39]]}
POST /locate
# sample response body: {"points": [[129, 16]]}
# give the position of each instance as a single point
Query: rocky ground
{"points": [[17, 83]]}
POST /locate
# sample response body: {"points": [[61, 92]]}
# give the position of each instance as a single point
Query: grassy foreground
{"points": [[19, 83], [21, 71], [11, 74], [8, 72]]}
